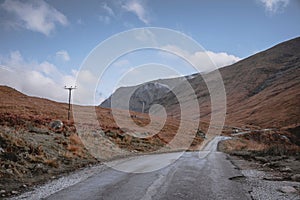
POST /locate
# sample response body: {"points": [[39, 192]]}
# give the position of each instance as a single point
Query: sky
{"points": [[45, 45]]}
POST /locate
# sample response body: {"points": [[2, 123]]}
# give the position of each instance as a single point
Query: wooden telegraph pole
{"points": [[70, 91]]}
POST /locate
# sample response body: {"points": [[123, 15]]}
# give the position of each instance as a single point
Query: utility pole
{"points": [[70, 91]]}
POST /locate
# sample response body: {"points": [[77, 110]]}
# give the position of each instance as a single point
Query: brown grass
{"points": [[262, 149], [73, 148], [68, 154], [240, 145], [52, 162], [75, 139]]}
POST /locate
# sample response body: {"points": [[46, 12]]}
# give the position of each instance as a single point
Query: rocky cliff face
{"points": [[145, 95], [139, 98]]}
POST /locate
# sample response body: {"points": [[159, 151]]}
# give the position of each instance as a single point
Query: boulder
{"points": [[56, 125], [287, 189]]}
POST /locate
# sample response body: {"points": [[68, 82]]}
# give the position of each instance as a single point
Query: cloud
{"points": [[115, 10], [220, 59], [108, 9], [47, 68], [205, 61], [105, 19], [274, 6], [43, 79], [138, 9], [63, 55], [110, 14], [34, 15]]}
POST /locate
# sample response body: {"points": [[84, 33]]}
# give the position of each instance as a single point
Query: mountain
{"points": [[140, 98], [262, 90]]}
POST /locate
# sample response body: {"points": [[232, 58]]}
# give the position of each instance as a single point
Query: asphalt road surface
{"points": [[194, 175]]}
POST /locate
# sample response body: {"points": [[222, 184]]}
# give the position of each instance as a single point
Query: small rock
{"points": [[56, 125], [273, 178], [285, 169], [39, 169], [296, 177], [287, 189], [265, 165], [9, 171], [201, 134], [14, 192], [1, 150], [261, 159], [24, 186], [271, 164], [2, 191]]}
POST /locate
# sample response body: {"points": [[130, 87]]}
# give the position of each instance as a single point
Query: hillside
{"points": [[33, 149], [267, 87], [262, 90], [150, 92]]}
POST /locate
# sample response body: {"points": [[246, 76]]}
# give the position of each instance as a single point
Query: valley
{"points": [[262, 120]]}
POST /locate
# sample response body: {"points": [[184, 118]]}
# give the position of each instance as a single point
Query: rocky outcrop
{"points": [[139, 98]]}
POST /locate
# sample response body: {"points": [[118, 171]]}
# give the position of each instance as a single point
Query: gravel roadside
{"points": [[253, 179], [53, 186], [265, 185]]}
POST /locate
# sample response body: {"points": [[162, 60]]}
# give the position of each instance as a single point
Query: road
{"points": [[194, 175]]}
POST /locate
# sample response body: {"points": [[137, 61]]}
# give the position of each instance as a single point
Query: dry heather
{"points": [[262, 143], [32, 153]]}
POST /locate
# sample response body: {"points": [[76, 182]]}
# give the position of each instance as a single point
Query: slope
{"points": [[262, 90]]}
